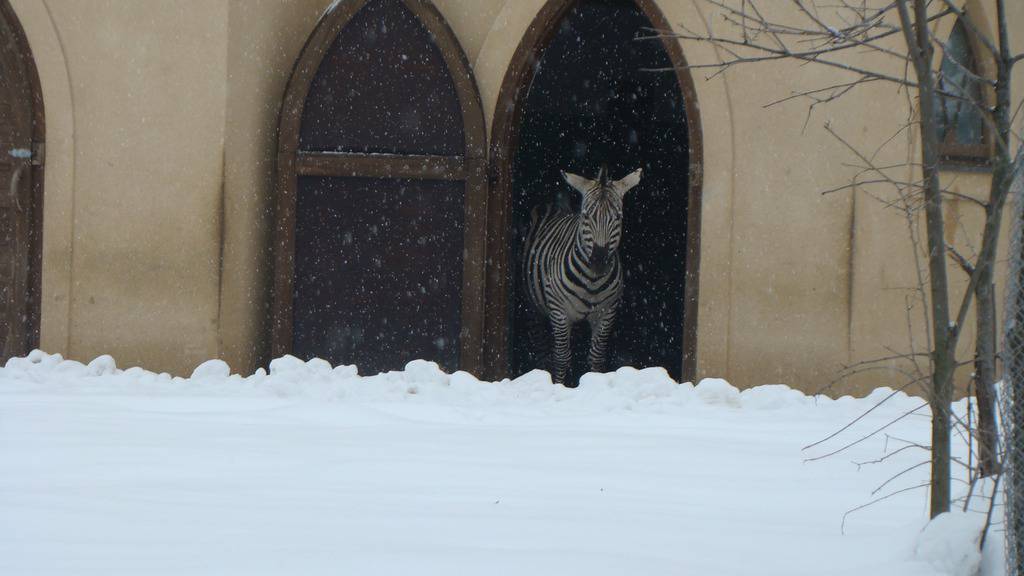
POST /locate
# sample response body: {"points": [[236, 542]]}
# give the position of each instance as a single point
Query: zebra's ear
{"points": [[629, 182], [581, 184]]}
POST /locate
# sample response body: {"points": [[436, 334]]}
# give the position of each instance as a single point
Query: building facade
{"points": [[195, 164]]}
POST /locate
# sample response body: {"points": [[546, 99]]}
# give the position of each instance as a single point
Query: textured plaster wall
{"points": [[146, 110]]}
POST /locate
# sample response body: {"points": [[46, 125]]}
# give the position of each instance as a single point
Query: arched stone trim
{"points": [[57, 173], [469, 166], [504, 128]]}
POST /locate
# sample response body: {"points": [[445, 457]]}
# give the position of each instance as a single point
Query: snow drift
{"points": [[312, 468]]}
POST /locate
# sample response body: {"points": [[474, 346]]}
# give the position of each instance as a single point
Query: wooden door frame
{"points": [[504, 141], [34, 287], [470, 167]]}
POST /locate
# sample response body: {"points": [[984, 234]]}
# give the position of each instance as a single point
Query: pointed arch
{"points": [[381, 129], [505, 133]]}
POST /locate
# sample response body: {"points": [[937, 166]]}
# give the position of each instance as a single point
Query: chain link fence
{"points": [[1013, 390]]}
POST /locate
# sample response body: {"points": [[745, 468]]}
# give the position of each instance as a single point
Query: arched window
{"points": [[381, 193], [963, 134]]}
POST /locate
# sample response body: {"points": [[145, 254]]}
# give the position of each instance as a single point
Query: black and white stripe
{"points": [[571, 265]]}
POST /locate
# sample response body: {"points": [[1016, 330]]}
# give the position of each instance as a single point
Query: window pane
{"points": [[961, 89], [383, 87]]}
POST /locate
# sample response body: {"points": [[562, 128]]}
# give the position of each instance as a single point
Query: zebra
{"points": [[571, 265]]}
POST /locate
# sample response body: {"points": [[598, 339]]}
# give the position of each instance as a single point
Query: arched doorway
{"points": [[21, 178], [381, 193], [581, 92]]}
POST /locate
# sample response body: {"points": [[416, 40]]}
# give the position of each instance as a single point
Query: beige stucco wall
{"points": [[884, 262], [161, 121], [783, 278], [818, 282], [793, 263], [139, 204]]}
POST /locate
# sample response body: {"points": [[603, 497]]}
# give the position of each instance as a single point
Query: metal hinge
{"points": [[38, 153]]}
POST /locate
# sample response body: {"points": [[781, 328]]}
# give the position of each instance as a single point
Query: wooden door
{"points": [[20, 177], [381, 193]]}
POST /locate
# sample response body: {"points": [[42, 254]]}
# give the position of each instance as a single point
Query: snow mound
{"points": [[625, 389], [102, 366], [628, 388], [114, 471], [949, 543], [718, 391], [212, 369], [773, 397]]}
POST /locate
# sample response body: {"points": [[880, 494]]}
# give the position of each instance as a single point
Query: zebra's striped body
{"points": [[571, 266]]}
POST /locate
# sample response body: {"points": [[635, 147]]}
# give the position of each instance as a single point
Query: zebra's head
{"points": [[601, 215]]}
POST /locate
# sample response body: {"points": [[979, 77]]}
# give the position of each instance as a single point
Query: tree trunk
{"points": [[943, 361], [940, 396], [1002, 180], [985, 373]]}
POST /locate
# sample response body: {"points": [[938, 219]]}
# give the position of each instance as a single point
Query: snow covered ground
{"points": [[314, 470]]}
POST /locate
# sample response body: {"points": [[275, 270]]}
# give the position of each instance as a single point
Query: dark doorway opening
{"points": [[594, 101]]}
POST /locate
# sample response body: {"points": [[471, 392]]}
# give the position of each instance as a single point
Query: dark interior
{"points": [[592, 102]]}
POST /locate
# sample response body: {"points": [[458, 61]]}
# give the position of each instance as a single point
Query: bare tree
{"points": [[832, 33]]}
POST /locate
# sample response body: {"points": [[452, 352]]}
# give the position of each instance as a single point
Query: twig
{"points": [[842, 525], [890, 454], [988, 515], [866, 436], [898, 474]]}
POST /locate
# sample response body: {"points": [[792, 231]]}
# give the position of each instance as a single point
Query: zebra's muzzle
{"points": [[599, 260]]}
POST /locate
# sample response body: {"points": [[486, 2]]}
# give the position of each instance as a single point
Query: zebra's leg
{"points": [[600, 330], [562, 330]]}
